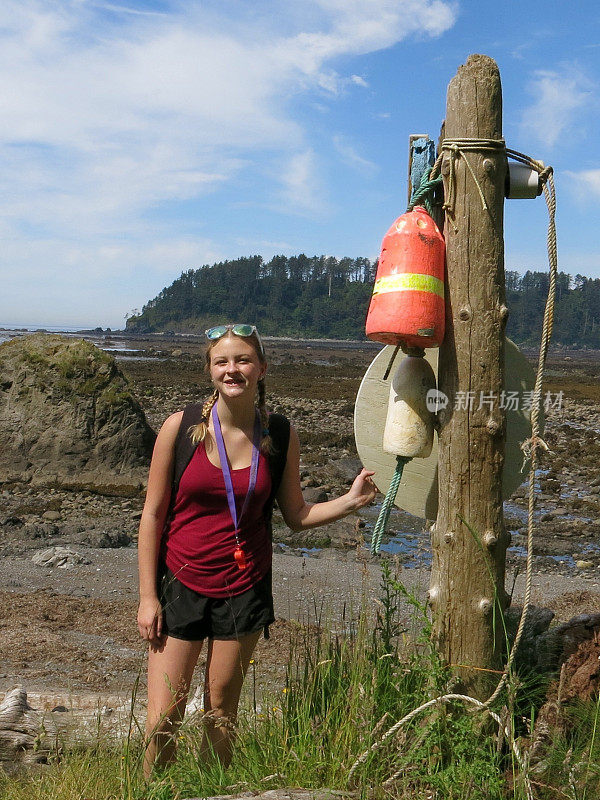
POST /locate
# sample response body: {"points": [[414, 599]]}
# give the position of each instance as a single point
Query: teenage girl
{"points": [[205, 553]]}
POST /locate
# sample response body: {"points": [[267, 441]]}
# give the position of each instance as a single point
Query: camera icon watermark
{"points": [[436, 400]]}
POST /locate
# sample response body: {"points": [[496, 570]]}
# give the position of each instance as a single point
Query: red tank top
{"points": [[199, 540]]}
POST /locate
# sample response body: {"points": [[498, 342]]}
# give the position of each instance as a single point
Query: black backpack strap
{"points": [[184, 447], [279, 430], [183, 451]]}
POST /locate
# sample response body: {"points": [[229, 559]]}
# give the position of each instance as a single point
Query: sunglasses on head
{"points": [[239, 329]]}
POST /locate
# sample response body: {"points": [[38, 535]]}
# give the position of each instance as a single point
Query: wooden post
{"points": [[469, 541]]}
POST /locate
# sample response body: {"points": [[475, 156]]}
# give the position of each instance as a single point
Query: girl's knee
{"points": [[166, 719], [221, 697]]}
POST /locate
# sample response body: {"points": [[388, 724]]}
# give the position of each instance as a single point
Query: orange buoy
{"points": [[407, 306]]}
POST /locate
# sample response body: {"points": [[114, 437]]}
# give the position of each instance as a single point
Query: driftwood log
{"points": [[20, 728], [29, 736]]}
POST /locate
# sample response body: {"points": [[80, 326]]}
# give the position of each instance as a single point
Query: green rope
{"points": [[386, 507], [423, 196]]}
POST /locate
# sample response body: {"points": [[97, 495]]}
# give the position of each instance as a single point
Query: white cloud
{"points": [[559, 96], [172, 97], [303, 191], [108, 276], [119, 9], [586, 183], [365, 25], [356, 27], [110, 111], [350, 157]]}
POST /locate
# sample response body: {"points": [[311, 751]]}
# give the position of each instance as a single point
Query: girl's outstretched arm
{"points": [[298, 514]]}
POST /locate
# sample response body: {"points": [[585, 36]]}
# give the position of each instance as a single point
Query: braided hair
{"points": [[266, 443], [197, 433]]}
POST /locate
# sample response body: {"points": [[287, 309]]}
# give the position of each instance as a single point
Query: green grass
{"points": [[71, 368], [96, 773], [340, 696]]}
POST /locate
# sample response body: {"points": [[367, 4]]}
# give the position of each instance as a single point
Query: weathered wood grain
{"points": [[469, 542]]}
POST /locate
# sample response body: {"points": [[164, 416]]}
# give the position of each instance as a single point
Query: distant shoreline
{"points": [[161, 336], [8, 332]]}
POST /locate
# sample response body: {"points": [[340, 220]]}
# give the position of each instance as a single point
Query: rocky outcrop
{"points": [[577, 686], [544, 649], [68, 417]]}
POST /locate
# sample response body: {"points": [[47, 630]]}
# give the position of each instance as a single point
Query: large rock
{"points": [[543, 649], [343, 469], [62, 557], [577, 644], [68, 417]]}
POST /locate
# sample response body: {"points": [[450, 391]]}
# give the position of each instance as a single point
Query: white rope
{"points": [[447, 698], [535, 443], [530, 447]]}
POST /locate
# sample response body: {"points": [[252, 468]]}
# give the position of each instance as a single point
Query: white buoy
{"points": [[409, 425]]}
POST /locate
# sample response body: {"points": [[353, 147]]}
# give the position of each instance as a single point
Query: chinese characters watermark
{"points": [[508, 401]]}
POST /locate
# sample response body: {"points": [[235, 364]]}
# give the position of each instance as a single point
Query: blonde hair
{"points": [[197, 433]]}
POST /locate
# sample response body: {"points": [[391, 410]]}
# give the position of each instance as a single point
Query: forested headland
{"points": [[326, 297]]}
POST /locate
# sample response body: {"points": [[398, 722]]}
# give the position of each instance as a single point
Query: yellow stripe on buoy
{"points": [[409, 282]]}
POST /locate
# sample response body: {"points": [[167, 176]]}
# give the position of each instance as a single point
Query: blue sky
{"points": [[138, 140]]}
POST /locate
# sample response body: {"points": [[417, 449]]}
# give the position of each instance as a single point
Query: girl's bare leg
{"points": [[170, 671], [227, 663]]}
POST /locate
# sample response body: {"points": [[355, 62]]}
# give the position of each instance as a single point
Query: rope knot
{"points": [[424, 195], [530, 447]]}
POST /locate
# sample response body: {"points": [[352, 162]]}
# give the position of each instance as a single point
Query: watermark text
{"points": [[507, 401]]}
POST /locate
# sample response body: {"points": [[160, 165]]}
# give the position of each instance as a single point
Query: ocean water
{"points": [[118, 348], [8, 331], [50, 328]]}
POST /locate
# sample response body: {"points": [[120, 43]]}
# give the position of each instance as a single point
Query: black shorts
{"points": [[192, 616]]}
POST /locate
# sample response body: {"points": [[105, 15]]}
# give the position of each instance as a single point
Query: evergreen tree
{"points": [[322, 296]]}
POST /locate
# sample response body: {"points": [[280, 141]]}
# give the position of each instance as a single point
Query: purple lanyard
{"points": [[227, 471]]}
